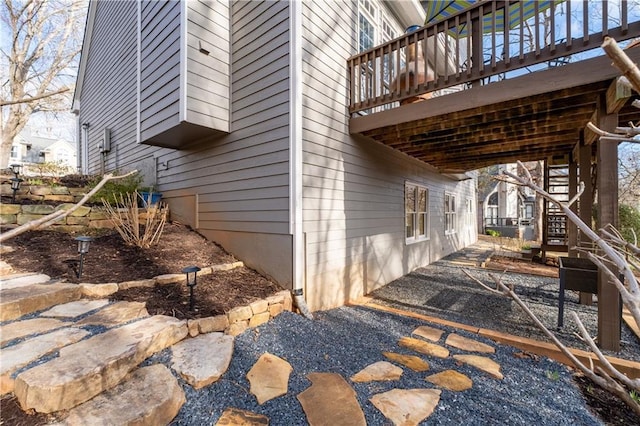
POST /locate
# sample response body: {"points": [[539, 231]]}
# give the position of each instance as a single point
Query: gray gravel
{"points": [[443, 290], [347, 339]]}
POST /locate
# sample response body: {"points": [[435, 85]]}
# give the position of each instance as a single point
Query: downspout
{"points": [[295, 157]]}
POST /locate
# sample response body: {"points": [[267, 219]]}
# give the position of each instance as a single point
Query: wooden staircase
{"points": [[556, 182]]}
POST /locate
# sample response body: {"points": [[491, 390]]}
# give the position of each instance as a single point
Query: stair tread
{"points": [[18, 301], [91, 366], [151, 396]]}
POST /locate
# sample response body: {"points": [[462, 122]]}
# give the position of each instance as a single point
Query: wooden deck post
{"points": [[609, 307], [585, 208]]}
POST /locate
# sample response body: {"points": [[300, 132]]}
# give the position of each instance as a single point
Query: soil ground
{"points": [[110, 260]]}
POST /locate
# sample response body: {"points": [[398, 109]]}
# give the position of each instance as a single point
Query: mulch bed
{"points": [[111, 260]]}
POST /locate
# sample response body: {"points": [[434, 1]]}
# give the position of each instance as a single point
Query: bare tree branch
{"points": [[622, 61], [34, 98]]}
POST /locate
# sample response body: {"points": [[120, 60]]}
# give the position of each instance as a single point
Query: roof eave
{"points": [[86, 43]]}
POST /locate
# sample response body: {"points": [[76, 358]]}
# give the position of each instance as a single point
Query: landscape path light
{"points": [[15, 169], [192, 280], [15, 186], [83, 248]]}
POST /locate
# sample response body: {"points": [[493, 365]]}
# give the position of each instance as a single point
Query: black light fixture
{"points": [[83, 248], [15, 186], [192, 280], [15, 169]]}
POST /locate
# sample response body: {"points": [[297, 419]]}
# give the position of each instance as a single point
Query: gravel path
{"points": [[347, 339], [443, 290]]}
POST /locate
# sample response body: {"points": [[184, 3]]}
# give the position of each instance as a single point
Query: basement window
{"points": [[416, 202]]}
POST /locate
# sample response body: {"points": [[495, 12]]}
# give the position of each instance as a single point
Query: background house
{"points": [[507, 208], [238, 112], [32, 150]]}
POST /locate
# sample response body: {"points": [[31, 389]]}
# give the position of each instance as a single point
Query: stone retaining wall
{"points": [[79, 220], [233, 322], [83, 217], [45, 193]]}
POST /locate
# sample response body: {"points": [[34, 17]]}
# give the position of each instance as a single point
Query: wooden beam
{"points": [[609, 306], [617, 96]]}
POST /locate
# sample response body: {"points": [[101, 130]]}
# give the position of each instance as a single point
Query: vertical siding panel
{"points": [[354, 188]]}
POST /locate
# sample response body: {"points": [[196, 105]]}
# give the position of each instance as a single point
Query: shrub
{"points": [[629, 218], [111, 192], [493, 232]]}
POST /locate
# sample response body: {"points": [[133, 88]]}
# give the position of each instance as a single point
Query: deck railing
{"points": [[507, 38]]}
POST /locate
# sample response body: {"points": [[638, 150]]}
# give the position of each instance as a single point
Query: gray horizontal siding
{"points": [[244, 172], [208, 82], [159, 67], [353, 189], [108, 97]]}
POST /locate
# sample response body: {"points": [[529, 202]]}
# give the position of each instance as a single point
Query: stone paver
{"points": [[74, 309], [424, 347], [483, 363], [98, 290], [19, 301], [151, 397], [87, 368], [237, 417], [451, 380], [410, 361], [22, 280], [203, 359], [19, 329], [116, 314], [331, 401], [378, 371], [428, 333], [407, 407], [29, 350], [468, 345], [269, 377]]}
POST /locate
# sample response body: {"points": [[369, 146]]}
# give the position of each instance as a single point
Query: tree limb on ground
{"points": [[613, 251], [59, 214]]}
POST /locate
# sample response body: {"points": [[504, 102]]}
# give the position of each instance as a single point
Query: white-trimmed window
{"points": [[375, 26], [416, 207], [449, 213]]}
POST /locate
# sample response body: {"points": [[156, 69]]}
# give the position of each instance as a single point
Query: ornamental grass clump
{"points": [[139, 227]]}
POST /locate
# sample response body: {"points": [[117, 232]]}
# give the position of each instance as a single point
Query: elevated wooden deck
{"points": [[533, 117], [540, 115]]}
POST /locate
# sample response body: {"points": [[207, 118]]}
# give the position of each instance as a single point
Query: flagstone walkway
{"points": [[63, 352], [67, 350]]}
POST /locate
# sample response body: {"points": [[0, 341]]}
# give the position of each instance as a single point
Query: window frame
{"points": [[417, 215], [450, 214]]}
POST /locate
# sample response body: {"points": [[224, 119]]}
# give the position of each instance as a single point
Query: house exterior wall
{"points": [[159, 67], [233, 189], [353, 189], [109, 91], [208, 80], [236, 188]]}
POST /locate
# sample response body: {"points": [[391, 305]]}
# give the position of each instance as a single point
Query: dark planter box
{"points": [[578, 274]]}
